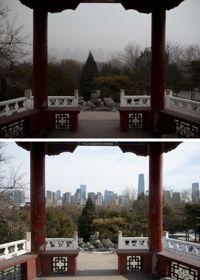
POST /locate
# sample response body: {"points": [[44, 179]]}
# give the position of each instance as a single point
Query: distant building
{"points": [[167, 198], [83, 192], [58, 195], [195, 192], [77, 197], [92, 196], [176, 197], [99, 199], [109, 197], [67, 198], [18, 197], [123, 199], [141, 187]]}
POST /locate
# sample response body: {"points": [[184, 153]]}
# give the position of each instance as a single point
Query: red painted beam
{"points": [[155, 204], [158, 59], [40, 59], [38, 200]]}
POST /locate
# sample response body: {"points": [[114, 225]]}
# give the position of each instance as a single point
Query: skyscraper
{"points": [[67, 198], [195, 192], [83, 192], [108, 197], [141, 188]]}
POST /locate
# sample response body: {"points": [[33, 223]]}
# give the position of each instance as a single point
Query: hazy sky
{"points": [[110, 27], [103, 168]]}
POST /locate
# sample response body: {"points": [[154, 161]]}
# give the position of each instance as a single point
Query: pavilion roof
{"points": [[142, 6], [138, 148]]}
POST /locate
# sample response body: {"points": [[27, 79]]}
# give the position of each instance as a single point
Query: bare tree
{"points": [[129, 55], [13, 45], [9, 181]]}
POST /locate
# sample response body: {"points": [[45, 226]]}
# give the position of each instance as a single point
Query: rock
{"points": [[109, 102], [96, 94], [97, 244], [107, 243], [96, 235], [98, 102]]}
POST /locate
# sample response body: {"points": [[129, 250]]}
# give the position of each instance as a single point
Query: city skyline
{"points": [[101, 168]]}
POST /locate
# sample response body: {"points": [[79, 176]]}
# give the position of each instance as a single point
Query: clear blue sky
{"points": [[108, 168], [110, 27]]}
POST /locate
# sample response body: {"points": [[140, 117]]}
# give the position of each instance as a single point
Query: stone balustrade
{"points": [[16, 105], [134, 100], [132, 242], [13, 249], [182, 105], [62, 243], [189, 249], [25, 103]]}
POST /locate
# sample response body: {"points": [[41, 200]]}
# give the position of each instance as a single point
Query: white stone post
{"points": [[122, 94], [164, 239], [76, 97], [75, 240], [28, 242], [28, 95], [120, 240]]}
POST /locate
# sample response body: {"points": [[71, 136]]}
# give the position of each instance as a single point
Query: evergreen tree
{"points": [[89, 72], [85, 226]]}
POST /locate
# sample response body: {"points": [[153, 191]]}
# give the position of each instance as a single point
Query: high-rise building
{"points": [[58, 195], [195, 192], [99, 199], [77, 197], [109, 197], [92, 196], [167, 198], [18, 197], [83, 192], [176, 197], [141, 187], [67, 199]]}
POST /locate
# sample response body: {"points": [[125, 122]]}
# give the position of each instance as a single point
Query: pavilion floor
{"points": [[100, 266], [98, 125]]}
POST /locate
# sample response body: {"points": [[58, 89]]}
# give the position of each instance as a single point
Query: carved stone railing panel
{"points": [[12, 249], [62, 243], [182, 105], [26, 103], [184, 248], [132, 242], [134, 100]]}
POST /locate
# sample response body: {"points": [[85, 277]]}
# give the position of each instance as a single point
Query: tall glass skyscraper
{"points": [[141, 188]]}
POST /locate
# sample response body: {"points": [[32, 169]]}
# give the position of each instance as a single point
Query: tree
{"points": [[10, 225], [89, 72], [13, 47], [85, 226], [192, 218], [129, 55]]}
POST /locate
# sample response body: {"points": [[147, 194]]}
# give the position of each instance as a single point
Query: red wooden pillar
{"points": [[40, 58], [155, 207], [38, 200], [158, 58]]}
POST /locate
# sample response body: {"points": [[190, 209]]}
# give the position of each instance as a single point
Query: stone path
{"points": [[100, 266], [99, 125]]}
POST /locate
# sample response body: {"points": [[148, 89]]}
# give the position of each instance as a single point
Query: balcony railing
{"points": [[26, 103], [62, 243], [177, 104], [13, 249], [132, 242], [20, 247], [134, 100], [185, 248]]}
